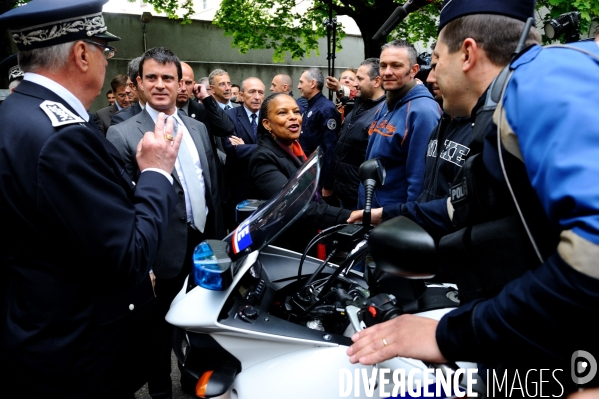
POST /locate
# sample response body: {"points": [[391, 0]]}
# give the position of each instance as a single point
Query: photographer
{"points": [[345, 90]]}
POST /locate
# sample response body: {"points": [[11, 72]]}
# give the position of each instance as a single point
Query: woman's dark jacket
{"points": [[270, 168]]}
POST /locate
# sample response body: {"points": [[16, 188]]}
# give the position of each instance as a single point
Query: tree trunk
{"points": [[369, 19]]}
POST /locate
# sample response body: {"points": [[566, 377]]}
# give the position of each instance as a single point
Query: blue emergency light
{"points": [[212, 265]]}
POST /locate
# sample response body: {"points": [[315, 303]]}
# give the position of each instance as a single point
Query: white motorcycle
{"points": [[256, 321]]}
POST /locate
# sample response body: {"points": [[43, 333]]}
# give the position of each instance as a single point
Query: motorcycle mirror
{"points": [[401, 247], [372, 174]]}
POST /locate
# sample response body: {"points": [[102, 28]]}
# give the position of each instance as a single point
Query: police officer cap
{"points": [[517, 9], [44, 23], [11, 65]]}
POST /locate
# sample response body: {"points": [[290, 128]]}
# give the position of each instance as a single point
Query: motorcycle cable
{"points": [[320, 268], [322, 235], [357, 254]]}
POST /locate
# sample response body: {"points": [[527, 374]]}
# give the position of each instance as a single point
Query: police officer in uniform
{"points": [[15, 74], [82, 237], [320, 127], [525, 256]]}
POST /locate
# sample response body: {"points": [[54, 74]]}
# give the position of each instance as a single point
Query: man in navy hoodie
{"points": [[448, 147], [401, 128]]}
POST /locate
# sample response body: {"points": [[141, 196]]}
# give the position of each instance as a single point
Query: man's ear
{"points": [[81, 54], [139, 82], [377, 81], [414, 70], [471, 54]]}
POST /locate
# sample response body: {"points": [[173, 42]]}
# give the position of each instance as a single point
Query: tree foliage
{"points": [[277, 25], [294, 26], [172, 8]]}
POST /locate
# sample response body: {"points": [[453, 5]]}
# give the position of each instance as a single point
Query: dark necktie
{"points": [[227, 107], [254, 124]]}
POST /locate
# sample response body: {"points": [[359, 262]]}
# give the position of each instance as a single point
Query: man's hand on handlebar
{"points": [[406, 336], [376, 216]]}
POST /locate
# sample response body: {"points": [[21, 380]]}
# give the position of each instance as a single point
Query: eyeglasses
{"points": [[109, 52]]}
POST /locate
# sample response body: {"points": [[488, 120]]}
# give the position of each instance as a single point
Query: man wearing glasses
{"points": [[220, 84], [83, 237], [122, 91]]}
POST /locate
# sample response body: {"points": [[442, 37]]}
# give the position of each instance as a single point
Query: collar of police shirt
{"points": [[60, 91], [194, 156]]}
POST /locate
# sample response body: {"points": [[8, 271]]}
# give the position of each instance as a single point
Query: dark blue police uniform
{"points": [[320, 127], [82, 237], [539, 269]]}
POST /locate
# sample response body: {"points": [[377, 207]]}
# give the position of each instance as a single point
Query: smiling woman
{"points": [[277, 157]]}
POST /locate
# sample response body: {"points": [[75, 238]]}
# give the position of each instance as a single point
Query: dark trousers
{"points": [[159, 382]]}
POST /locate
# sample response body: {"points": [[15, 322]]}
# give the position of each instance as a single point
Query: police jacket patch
{"points": [[331, 124], [59, 114]]}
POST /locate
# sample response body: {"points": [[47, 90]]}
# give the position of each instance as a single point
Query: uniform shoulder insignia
{"points": [[331, 124], [59, 114]]}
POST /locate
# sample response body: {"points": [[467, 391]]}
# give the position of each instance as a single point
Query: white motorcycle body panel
{"points": [[198, 309], [275, 366]]}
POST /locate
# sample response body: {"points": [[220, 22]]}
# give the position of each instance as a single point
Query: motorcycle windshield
{"points": [[276, 215]]}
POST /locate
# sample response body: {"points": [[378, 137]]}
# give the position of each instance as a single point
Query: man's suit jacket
{"points": [[82, 237], [104, 116], [125, 114], [125, 136], [239, 156]]}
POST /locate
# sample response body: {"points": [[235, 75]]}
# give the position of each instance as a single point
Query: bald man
{"points": [[283, 84]]}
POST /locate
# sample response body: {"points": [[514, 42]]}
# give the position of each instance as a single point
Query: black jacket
{"points": [[448, 147], [270, 168], [350, 151], [447, 150]]}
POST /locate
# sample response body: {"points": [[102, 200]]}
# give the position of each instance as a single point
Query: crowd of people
{"points": [[494, 156]]}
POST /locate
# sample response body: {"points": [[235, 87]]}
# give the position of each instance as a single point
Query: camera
{"points": [[566, 24]]}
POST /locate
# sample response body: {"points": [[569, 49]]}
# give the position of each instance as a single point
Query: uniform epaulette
{"points": [[59, 114]]}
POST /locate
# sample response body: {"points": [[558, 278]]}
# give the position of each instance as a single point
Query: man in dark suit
{"points": [[194, 101], [241, 145], [220, 88], [136, 107], [122, 95], [82, 236], [204, 108], [159, 77]]}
